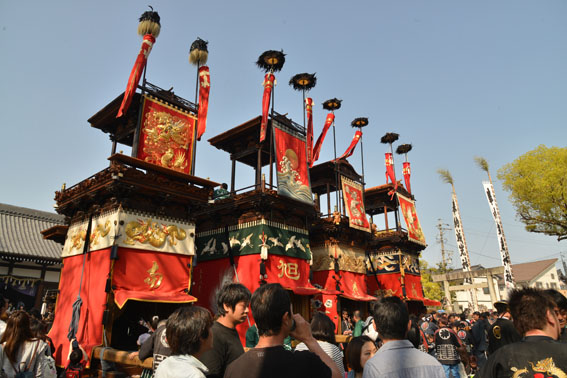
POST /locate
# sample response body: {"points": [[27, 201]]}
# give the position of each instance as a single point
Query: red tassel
{"points": [[350, 149], [309, 110], [268, 84], [407, 173], [136, 73], [204, 88], [319, 143]]}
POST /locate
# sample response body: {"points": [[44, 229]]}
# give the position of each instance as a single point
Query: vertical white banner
{"points": [[504, 254], [463, 250]]}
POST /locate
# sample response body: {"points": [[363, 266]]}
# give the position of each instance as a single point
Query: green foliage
{"points": [[431, 290], [537, 182]]}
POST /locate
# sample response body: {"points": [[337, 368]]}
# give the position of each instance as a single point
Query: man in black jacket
{"points": [[479, 332], [502, 331], [539, 354]]}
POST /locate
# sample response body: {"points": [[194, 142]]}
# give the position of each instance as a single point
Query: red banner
{"points": [[268, 84], [204, 88], [349, 151], [319, 143], [309, 110], [389, 160], [93, 296], [390, 285], [414, 289], [407, 208], [166, 136], [136, 73], [407, 174], [354, 205], [292, 171], [151, 276]]}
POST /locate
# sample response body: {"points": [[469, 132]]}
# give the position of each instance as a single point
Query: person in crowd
{"points": [[232, 310], [479, 332], [22, 352], [155, 346], [151, 326], [323, 330], [560, 311], [39, 331], [76, 361], [416, 336], [271, 308], [447, 347], [3, 315], [346, 325], [221, 193], [359, 350], [252, 336], [189, 334], [538, 354], [502, 331], [397, 357], [358, 324]]}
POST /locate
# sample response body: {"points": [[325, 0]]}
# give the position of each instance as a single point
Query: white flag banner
{"points": [[504, 254], [463, 250]]}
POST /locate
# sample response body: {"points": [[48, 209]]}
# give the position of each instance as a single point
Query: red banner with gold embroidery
{"points": [[407, 175], [204, 89], [291, 159], [354, 204], [269, 82], [309, 110], [166, 135], [136, 73], [151, 276], [390, 285], [317, 149], [407, 206], [350, 150]]}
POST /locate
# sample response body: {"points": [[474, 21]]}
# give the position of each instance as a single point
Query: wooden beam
{"points": [[462, 275], [467, 287]]}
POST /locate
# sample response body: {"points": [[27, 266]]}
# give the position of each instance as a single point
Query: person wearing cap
{"points": [[447, 349], [539, 354], [502, 331]]}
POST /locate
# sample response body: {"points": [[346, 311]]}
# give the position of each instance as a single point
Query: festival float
{"points": [[145, 235]]}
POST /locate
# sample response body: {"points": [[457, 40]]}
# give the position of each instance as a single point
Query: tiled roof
{"points": [[528, 271], [20, 234]]}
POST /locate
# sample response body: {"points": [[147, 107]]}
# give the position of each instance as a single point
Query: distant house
{"points": [[29, 264], [541, 274]]}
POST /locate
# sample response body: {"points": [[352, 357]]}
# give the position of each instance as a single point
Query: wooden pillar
{"points": [[386, 218], [328, 198], [232, 175], [447, 292], [490, 283], [259, 166]]}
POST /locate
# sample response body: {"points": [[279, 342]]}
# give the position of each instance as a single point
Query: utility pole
{"points": [[441, 240], [564, 265]]}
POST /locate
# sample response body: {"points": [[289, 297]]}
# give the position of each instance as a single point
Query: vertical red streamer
{"points": [[319, 143], [268, 84], [390, 170], [309, 110], [204, 88], [407, 174], [136, 73]]}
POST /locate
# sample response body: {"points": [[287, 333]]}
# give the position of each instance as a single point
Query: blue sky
{"points": [[457, 79]]}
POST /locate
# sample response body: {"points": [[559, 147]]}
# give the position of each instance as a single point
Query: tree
{"points": [[537, 182], [431, 290]]}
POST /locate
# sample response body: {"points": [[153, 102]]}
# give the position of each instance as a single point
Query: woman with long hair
{"points": [[21, 350], [323, 330], [359, 350]]}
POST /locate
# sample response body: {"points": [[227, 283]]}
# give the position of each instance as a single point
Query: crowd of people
{"points": [[527, 337], [524, 338]]}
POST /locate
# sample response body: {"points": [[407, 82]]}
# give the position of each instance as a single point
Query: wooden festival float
{"points": [[145, 235]]}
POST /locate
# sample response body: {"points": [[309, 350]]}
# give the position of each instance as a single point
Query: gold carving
{"points": [[100, 231], [144, 232], [77, 239], [155, 278], [290, 270], [164, 133]]}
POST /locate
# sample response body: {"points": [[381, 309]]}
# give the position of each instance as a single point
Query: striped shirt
{"points": [[331, 350]]}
